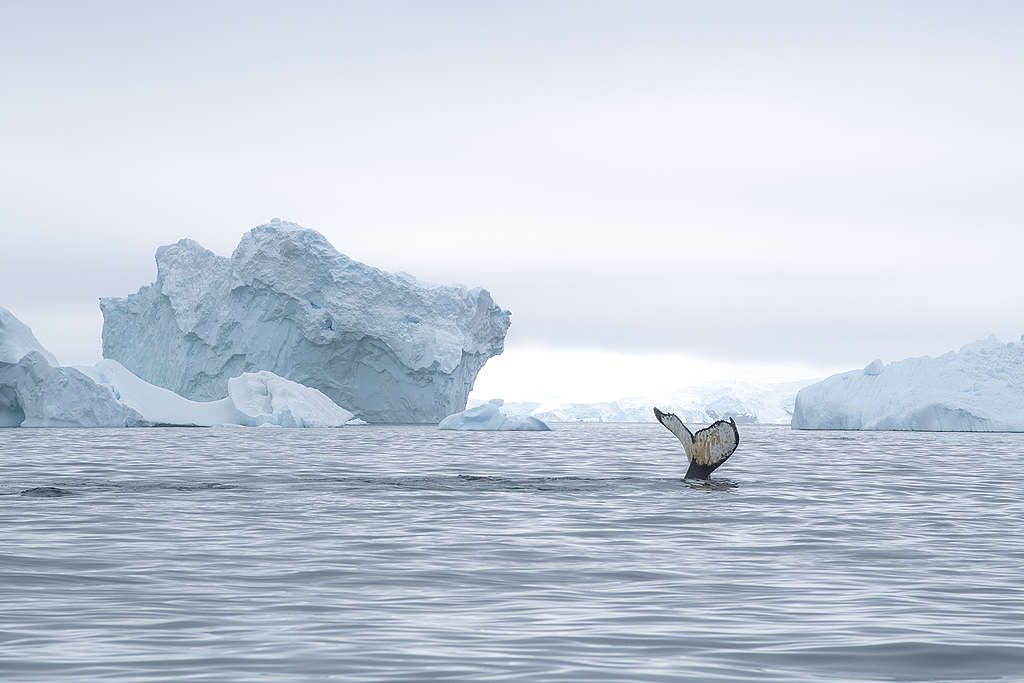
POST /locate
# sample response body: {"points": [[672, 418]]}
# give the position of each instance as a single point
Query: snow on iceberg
{"points": [[492, 417], [254, 399], [978, 388], [158, 405], [386, 346]]}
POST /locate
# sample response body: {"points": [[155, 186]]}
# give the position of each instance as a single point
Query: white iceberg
{"points": [[264, 398], [978, 388], [386, 346], [491, 417], [37, 393]]}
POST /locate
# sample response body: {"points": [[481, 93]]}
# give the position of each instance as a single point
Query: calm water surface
{"points": [[370, 553]]}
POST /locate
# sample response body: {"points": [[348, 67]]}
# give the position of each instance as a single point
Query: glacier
{"points": [[37, 392], [978, 388], [384, 345], [492, 417]]}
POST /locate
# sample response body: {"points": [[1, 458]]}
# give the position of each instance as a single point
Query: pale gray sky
{"points": [[659, 191]]}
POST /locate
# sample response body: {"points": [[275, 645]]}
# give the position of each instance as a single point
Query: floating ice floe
{"points": [[491, 417]]}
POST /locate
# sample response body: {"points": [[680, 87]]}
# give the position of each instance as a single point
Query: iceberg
{"points": [[492, 417], [978, 388], [388, 347], [37, 393], [34, 393], [264, 398]]}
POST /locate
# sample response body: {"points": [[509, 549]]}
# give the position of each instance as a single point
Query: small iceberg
{"points": [[492, 417]]}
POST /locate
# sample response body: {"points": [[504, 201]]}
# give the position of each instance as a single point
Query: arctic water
{"points": [[384, 553]]}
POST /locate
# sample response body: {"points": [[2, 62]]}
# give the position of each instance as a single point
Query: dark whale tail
{"points": [[707, 448]]}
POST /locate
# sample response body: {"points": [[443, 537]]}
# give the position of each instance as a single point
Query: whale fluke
{"points": [[706, 449]]}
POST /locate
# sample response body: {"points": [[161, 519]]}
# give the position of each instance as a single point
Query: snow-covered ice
{"points": [[156, 404], [492, 417], [978, 388], [386, 346]]}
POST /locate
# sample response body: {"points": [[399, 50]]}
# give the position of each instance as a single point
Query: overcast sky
{"points": [[663, 193]]}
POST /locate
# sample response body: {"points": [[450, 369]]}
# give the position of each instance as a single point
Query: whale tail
{"points": [[707, 448]]}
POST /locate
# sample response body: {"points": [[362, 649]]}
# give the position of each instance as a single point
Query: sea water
{"points": [[400, 553]]}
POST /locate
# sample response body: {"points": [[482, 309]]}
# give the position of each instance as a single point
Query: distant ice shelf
{"points": [[747, 403]]}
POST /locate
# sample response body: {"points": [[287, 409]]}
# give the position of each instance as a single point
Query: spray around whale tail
{"points": [[707, 448]]}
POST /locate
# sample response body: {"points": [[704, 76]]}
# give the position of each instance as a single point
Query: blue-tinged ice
{"points": [[388, 347]]}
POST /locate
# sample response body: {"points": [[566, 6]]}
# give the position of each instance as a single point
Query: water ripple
{"points": [[386, 553]]}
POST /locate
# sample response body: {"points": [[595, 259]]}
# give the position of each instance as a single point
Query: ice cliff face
{"points": [[385, 346], [979, 388]]}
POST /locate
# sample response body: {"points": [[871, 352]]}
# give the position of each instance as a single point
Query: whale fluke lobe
{"points": [[707, 448]]}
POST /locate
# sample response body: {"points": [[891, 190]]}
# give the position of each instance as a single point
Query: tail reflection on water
{"points": [[712, 484]]}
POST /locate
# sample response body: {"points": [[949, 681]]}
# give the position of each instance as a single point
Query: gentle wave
{"points": [[385, 553]]}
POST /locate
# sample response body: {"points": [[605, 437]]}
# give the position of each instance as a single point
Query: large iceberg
{"points": [[492, 417], [978, 388], [386, 346], [35, 392]]}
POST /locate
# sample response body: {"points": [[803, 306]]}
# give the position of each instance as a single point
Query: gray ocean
{"points": [[405, 553]]}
